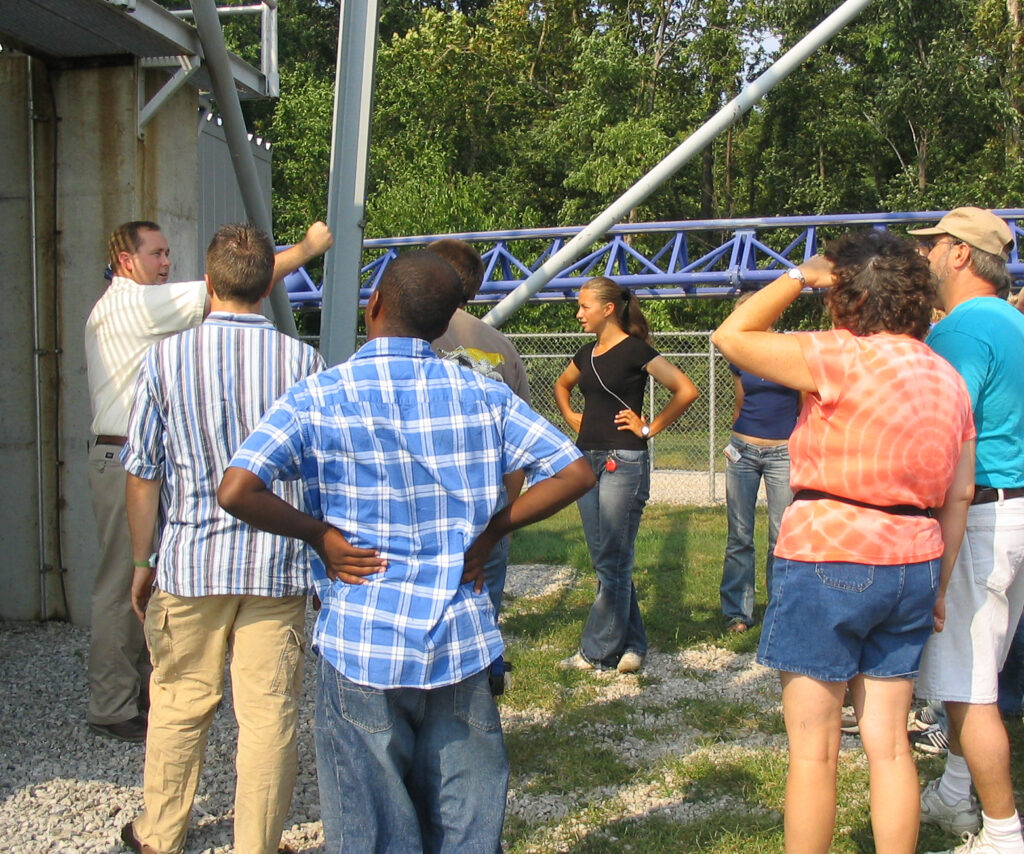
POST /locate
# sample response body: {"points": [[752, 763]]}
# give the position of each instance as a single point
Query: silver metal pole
{"points": [[215, 54], [693, 145], [346, 188]]}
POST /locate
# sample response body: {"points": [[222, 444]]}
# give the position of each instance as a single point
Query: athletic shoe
{"points": [[630, 662], [922, 719], [575, 662], [932, 740], [848, 722], [971, 845], [964, 817]]}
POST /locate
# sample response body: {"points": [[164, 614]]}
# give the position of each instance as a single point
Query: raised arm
{"points": [[244, 495], [317, 241], [563, 387], [743, 337]]}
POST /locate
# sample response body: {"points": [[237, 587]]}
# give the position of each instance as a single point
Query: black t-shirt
{"points": [[622, 371]]}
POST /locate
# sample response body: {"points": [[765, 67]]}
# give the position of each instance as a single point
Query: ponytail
{"points": [[627, 307]]}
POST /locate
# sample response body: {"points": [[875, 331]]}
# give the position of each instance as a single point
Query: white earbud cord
{"points": [[593, 367]]}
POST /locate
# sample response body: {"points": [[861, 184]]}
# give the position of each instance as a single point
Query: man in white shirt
{"points": [[138, 309]]}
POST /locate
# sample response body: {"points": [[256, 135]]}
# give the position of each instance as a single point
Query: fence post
{"points": [[712, 392]]}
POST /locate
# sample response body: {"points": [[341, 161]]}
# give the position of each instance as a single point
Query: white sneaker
{"points": [[575, 662], [971, 845], [630, 662], [848, 721], [924, 718], [964, 817]]}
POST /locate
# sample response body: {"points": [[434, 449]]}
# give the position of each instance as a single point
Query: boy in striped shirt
{"points": [[216, 585]]}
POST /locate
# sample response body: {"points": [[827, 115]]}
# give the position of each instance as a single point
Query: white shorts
{"points": [[983, 604]]}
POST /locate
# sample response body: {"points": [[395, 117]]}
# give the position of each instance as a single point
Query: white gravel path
{"points": [[63, 788]]}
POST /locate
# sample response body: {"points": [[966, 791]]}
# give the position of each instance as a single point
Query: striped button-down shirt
{"points": [[198, 395], [404, 452]]}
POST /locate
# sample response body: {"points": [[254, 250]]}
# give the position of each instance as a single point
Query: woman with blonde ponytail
{"points": [[612, 373]]}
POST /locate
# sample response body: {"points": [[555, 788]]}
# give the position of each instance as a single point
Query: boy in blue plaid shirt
{"points": [[400, 456]]}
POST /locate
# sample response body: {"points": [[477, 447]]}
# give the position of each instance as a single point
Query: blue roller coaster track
{"points": [[685, 259]]}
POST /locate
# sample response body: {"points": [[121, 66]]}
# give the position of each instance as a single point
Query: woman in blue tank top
{"points": [[764, 415]]}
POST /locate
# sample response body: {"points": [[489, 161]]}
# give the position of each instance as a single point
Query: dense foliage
{"points": [[511, 113]]}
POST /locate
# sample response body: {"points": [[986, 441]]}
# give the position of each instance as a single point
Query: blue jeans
{"points": [[611, 513], [742, 480], [409, 770], [833, 620]]}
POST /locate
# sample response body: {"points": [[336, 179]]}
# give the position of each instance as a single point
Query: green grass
{"points": [[594, 771]]}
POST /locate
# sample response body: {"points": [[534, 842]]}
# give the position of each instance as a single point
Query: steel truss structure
{"points": [[685, 259]]}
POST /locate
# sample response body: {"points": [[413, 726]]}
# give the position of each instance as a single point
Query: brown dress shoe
{"points": [[133, 729]]}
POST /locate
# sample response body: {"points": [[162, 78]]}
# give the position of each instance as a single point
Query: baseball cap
{"points": [[978, 227]]}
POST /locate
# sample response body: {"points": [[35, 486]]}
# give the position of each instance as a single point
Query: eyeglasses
{"points": [[926, 245]]}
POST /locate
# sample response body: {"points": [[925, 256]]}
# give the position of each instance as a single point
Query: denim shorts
{"points": [[832, 621]]}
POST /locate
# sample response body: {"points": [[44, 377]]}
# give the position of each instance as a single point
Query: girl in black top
{"points": [[612, 374]]}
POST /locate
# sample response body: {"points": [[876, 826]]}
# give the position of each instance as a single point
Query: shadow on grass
{"points": [[721, 807]]}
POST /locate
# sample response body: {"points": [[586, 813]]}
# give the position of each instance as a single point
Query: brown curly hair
{"points": [[883, 284]]}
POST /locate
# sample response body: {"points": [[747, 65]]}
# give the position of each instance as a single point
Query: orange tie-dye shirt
{"points": [[885, 427]]}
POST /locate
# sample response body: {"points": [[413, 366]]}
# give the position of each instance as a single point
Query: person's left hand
{"points": [[627, 419]]}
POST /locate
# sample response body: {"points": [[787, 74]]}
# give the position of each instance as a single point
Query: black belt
{"points": [[988, 494], [894, 509], [103, 439]]}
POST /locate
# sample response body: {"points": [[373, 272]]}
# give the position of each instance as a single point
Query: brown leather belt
{"points": [[111, 440], [988, 494]]}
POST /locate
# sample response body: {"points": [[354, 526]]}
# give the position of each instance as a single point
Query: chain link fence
{"points": [[687, 465]]}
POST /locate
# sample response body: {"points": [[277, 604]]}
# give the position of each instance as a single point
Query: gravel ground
{"points": [[66, 789]]}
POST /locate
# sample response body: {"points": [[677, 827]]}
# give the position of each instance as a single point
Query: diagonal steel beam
{"points": [[212, 37], [693, 145]]}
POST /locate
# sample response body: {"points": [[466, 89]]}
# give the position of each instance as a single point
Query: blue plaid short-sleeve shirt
{"points": [[404, 452]]}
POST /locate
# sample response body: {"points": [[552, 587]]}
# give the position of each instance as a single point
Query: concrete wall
{"points": [[29, 553], [107, 175], [92, 173]]}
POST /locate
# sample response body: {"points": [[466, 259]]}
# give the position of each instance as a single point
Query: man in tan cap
{"points": [[982, 336]]}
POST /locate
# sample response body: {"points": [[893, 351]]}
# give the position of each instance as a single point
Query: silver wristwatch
{"points": [[796, 273], [645, 431]]}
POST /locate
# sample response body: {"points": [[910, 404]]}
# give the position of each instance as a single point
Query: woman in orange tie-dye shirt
{"points": [[882, 470]]}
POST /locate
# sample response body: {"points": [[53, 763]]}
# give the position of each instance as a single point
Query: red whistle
{"points": [[610, 464]]}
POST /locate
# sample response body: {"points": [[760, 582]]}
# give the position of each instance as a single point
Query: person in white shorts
{"points": [[982, 337]]}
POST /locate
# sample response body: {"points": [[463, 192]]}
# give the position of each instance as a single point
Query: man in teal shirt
{"points": [[983, 338]]}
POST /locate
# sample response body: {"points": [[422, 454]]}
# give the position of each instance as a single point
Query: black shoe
{"points": [[133, 729], [129, 838]]}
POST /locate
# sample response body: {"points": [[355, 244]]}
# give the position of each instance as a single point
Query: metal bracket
{"points": [[186, 67]]}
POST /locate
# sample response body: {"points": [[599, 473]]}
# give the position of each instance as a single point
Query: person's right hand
{"points": [[318, 240], [939, 613], [818, 272], [574, 420], [343, 561]]}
